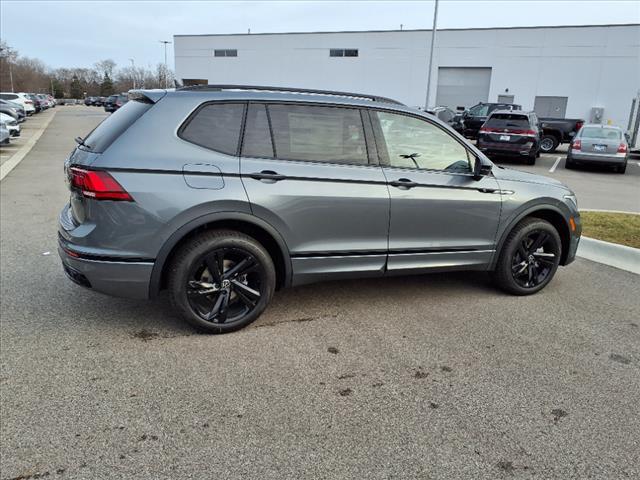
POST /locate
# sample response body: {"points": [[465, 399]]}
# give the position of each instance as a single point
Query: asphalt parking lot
{"points": [[431, 377]]}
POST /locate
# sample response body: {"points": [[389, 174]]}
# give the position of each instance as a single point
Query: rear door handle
{"points": [[403, 183], [267, 175]]}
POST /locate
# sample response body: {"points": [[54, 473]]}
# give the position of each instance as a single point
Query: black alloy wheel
{"points": [[534, 259], [221, 280]]}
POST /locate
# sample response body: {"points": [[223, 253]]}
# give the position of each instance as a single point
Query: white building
{"points": [[558, 71]]}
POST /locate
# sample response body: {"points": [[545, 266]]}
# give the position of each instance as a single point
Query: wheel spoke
{"points": [[522, 250], [214, 264], [248, 295], [544, 254], [244, 266], [519, 268], [218, 312], [546, 261], [538, 242]]}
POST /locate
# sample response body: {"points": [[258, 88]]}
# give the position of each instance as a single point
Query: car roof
{"points": [[596, 125], [522, 113]]}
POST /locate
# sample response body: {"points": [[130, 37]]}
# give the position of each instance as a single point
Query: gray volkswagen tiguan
{"points": [[222, 194]]}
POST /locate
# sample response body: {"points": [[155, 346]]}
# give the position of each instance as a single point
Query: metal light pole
{"points": [[133, 73], [433, 42], [165, 60]]}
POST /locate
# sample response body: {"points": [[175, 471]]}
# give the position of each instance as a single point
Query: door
{"points": [[553, 107], [312, 179], [441, 217], [462, 86]]}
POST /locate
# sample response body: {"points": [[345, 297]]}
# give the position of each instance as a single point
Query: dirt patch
{"points": [[620, 359], [145, 335]]}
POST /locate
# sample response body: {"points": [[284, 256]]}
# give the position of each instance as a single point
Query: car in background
{"points": [[470, 121], [10, 111], [21, 98], [114, 102], [511, 133], [99, 101], [17, 107], [443, 113], [89, 101], [38, 102], [4, 134], [48, 103], [11, 124], [52, 100], [603, 145]]}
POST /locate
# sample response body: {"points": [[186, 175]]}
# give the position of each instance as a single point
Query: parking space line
{"points": [[553, 169]]}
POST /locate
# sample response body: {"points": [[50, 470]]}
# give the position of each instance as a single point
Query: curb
{"points": [[612, 254], [17, 157], [608, 211]]}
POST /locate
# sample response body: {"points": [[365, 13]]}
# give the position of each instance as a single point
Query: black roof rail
{"points": [[374, 98]]}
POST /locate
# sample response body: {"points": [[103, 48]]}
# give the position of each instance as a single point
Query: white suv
{"points": [[20, 98]]}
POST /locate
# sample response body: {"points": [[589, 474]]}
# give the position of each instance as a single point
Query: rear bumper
{"points": [[117, 278], [597, 159], [506, 148]]}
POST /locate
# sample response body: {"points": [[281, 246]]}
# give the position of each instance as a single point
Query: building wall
{"points": [[592, 66]]}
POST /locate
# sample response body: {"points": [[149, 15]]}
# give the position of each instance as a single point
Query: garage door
{"points": [[462, 86]]}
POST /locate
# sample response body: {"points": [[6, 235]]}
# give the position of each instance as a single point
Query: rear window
{"points": [[114, 126], [215, 126], [507, 120], [8, 96], [601, 133]]}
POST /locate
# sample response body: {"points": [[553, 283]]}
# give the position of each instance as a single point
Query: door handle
{"points": [[267, 175], [403, 183]]}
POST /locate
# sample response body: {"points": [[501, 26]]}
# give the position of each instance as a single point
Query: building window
{"points": [[343, 52], [225, 53]]}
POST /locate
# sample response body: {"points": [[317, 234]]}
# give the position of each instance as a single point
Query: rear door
{"points": [[308, 172], [441, 217]]}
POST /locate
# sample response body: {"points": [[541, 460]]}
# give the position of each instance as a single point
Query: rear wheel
{"points": [[221, 281], [568, 164], [548, 144], [622, 168], [529, 258], [531, 159]]}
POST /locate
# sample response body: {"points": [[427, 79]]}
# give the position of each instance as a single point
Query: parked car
{"points": [[114, 102], [21, 98], [17, 107], [597, 144], [99, 101], [45, 99], [10, 111], [445, 114], [511, 133], [4, 134], [249, 189], [470, 121], [52, 100], [11, 124], [89, 101], [556, 131]]}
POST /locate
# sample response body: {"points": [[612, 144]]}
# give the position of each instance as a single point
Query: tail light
{"points": [[488, 130], [119, 104], [97, 184], [29, 102], [622, 148], [576, 145], [579, 125]]}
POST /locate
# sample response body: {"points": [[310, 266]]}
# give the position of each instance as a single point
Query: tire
{"points": [[548, 143], [568, 164], [207, 262], [520, 269], [622, 168], [531, 159]]}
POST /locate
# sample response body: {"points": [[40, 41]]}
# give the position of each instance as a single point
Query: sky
{"points": [[80, 33]]}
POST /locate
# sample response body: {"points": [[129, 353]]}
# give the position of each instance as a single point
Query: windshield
{"points": [[601, 133]]}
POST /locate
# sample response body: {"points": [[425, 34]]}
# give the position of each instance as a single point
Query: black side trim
{"points": [[381, 252], [101, 258]]}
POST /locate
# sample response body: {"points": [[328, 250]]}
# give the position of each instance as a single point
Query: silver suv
{"points": [[222, 194]]}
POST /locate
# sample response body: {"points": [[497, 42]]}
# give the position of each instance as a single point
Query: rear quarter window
{"points": [[215, 126], [115, 125]]}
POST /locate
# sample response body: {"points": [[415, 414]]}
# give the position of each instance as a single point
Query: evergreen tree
{"points": [[76, 88], [106, 87], [58, 92]]}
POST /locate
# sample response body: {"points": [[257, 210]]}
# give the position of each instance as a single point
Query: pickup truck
{"points": [[554, 131]]}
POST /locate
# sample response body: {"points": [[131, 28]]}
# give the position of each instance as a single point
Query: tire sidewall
{"points": [[192, 253], [509, 249]]}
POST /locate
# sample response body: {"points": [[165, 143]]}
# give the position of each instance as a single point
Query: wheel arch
{"points": [[248, 224], [551, 214]]}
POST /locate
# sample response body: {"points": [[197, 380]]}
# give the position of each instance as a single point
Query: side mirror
{"points": [[481, 169]]}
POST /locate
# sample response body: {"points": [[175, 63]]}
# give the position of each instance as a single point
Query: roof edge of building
{"points": [[404, 31]]}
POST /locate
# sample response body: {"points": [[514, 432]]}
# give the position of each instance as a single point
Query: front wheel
{"points": [[529, 258], [221, 281]]}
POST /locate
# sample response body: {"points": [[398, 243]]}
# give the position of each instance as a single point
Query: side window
{"points": [[415, 143], [321, 134], [215, 126], [257, 137], [479, 111]]}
